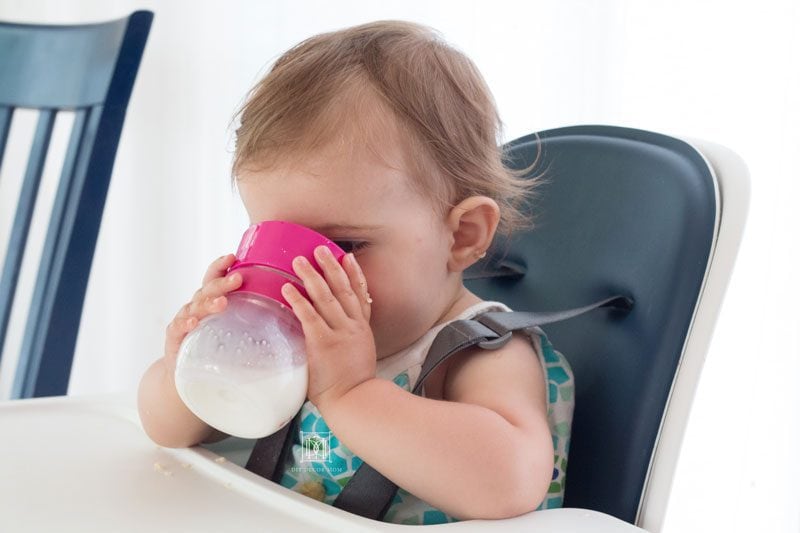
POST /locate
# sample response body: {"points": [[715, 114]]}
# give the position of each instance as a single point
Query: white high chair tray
{"points": [[85, 464]]}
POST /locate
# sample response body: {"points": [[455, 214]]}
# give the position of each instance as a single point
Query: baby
{"points": [[384, 139]]}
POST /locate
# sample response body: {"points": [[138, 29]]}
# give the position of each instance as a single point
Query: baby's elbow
{"points": [[527, 488], [164, 437], [519, 500], [174, 436], [166, 433], [155, 429], [524, 500], [510, 503], [531, 489]]}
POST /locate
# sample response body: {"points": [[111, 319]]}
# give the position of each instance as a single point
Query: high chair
{"points": [[632, 213], [620, 211], [658, 219], [87, 70]]}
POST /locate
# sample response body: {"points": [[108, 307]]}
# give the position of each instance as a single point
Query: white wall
{"points": [[723, 71]]}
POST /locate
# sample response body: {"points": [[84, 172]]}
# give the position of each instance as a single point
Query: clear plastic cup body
{"points": [[244, 371]]}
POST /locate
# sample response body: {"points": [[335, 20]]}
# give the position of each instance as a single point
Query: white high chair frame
{"points": [[733, 196], [85, 464]]}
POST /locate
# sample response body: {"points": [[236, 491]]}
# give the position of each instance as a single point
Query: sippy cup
{"points": [[243, 371]]}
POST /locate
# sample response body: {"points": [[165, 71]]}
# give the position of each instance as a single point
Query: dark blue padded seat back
{"points": [[621, 211]]}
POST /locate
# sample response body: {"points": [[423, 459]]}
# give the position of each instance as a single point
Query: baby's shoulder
{"points": [[514, 365], [482, 367]]}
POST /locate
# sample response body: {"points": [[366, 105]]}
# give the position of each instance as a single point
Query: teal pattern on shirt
{"points": [[319, 460]]}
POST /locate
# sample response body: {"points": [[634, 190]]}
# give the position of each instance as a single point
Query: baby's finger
{"points": [[359, 283], [210, 297], [202, 307], [339, 282], [176, 332], [313, 325], [218, 268], [323, 300]]}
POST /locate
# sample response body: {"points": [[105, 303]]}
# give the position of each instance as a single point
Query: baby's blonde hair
{"points": [[360, 83]]}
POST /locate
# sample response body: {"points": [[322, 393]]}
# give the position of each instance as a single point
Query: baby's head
{"points": [[377, 84], [385, 139]]}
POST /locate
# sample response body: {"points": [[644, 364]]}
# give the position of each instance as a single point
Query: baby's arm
{"points": [[484, 453], [164, 416]]}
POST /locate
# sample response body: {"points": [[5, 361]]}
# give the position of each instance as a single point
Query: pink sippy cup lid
{"points": [[265, 254]]}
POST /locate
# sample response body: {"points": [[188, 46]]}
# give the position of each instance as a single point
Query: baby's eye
{"points": [[351, 246]]}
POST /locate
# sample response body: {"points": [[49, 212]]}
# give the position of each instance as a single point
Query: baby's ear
{"points": [[472, 223]]}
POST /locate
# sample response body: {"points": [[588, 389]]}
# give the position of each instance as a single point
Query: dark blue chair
{"points": [[90, 70], [637, 213]]}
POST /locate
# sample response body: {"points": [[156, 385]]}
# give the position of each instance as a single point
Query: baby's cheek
{"points": [[380, 323], [396, 323], [385, 322]]}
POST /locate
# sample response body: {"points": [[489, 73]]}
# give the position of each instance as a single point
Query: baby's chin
{"points": [[382, 356], [383, 351], [389, 345]]}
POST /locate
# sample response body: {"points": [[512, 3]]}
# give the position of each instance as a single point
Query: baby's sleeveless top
{"points": [[320, 465]]}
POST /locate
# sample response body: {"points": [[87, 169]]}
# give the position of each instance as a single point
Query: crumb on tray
{"points": [[158, 467]]}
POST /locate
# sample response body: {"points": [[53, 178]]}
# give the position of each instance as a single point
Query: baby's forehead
{"points": [[356, 183], [365, 134], [327, 188], [358, 130], [361, 119], [345, 165]]}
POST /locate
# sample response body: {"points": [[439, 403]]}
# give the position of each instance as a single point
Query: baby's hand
{"points": [[210, 298], [339, 342]]}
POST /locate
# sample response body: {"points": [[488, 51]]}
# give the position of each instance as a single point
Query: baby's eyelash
{"points": [[351, 246]]}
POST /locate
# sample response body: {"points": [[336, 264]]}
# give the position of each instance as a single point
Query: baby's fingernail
{"points": [[233, 278], [355, 264], [216, 300], [301, 261]]}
